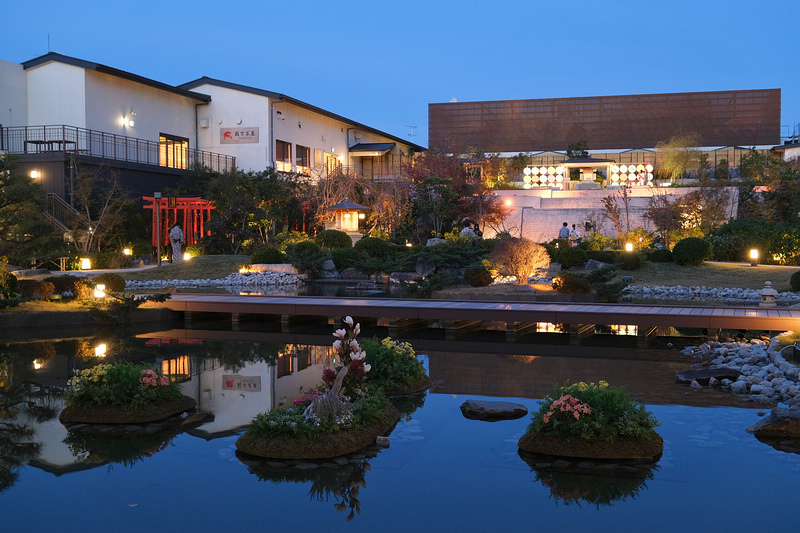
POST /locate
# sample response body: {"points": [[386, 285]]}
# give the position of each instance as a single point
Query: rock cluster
{"points": [[732, 296], [766, 376], [242, 281]]}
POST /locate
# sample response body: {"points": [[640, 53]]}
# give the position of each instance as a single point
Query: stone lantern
{"points": [[768, 295], [346, 215]]}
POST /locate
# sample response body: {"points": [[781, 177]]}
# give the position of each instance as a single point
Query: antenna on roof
{"points": [[48, 43], [412, 131]]}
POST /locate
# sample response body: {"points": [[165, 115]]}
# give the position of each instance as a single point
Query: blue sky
{"points": [[382, 63]]}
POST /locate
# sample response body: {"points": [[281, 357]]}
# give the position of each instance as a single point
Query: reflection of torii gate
{"points": [[191, 213]]}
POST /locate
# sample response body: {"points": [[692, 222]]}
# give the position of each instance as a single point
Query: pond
{"points": [[442, 472]]}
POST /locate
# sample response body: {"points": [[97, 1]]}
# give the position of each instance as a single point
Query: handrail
{"points": [[60, 211], [81, 141]]}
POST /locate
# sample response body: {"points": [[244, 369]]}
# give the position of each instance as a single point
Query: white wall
{"points": [[13, 94], [56, 95], [109, 98]]}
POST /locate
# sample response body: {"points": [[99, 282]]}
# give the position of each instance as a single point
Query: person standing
{"points": [[573, 236], [176, 238], [563, 233]]}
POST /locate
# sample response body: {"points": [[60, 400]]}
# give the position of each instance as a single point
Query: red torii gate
{"points": [[191, 213]]}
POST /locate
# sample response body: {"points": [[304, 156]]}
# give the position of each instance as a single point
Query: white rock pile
{"points": [[767, 377], [247, 281], [729, 296]]}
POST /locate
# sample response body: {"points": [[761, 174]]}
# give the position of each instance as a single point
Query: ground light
{"points": [[86, 263], [186, 256], [100, 350], [100, 291], [629, 247], [753, 257]]}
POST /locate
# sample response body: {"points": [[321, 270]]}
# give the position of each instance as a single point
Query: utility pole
{"points": [[412, 131]]}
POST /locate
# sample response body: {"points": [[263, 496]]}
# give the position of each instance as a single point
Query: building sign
{"points": [[238, 135], [242, 383]]}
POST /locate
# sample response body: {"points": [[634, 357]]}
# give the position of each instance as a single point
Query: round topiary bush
{"points": [[692, 251], [604, 256], [267, 255], [571, 257], [567, 283], [661, 256], [478, 276], [630, 261], [113, 282], [344, 258], [332, 239], [794, 281], [306, 247], [373, 247]]}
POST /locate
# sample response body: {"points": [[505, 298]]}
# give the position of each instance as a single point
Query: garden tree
{"points": [[240, 217], [519, 257], [666, 213], [478, 202], [616, 209], [514, 166], [703, 167], [99, 202], [677, 155], [338, 186], [390, 206], [722, 171], [439, 163], [22, 227], [767, 188], [578, 150], [434, 202]]}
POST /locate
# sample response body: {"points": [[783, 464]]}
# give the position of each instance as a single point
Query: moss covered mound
{"points": [[115, 414], [421, 383], [320, 446], [620, 448]]}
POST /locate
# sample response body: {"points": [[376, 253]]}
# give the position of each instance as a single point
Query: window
{"points": [[317, 158], [173, 151], [302, 159], [332, 164], [283, 156]]}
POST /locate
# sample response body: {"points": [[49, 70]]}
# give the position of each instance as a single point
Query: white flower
{"points": [[337, 345], [349, 321], [357, 329], [339, 333], [358, 356], [353, 345], [366, 368]]}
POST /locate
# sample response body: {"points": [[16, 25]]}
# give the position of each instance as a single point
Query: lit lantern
{"points": [[126, 251], [629, 247], [86, 263], [100, 350], [753, 257], [100, 291], [186, 256]]}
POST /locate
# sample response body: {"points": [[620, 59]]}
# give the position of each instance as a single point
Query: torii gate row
{"points": [[191, 213]]}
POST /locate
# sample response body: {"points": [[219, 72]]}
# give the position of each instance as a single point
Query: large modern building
{"points": [[59, 113], [720, 118]]}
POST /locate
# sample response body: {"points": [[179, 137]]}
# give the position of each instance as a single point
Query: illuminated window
{"points": [[332, 163], [173, 151], [283, 156], [317, 158], [302, 159]]}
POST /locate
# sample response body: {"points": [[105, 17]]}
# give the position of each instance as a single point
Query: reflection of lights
{"points": [[37, 364], [100, 291], [100, 350], [86, 263]]}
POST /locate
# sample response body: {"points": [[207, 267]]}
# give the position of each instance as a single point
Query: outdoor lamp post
{"points": [[753, 257]]}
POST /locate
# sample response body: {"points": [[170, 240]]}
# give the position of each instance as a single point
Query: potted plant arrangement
{"points": [[340, 416], [592, 421], [122, 393]]}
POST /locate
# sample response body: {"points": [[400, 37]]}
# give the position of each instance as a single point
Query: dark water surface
{"points": [[442, 472]]}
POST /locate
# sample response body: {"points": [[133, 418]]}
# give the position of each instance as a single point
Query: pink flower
{"points": [[357, 329], [358, 356], [340, 333], [328, 375]]}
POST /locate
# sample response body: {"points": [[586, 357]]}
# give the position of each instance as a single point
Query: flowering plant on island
{"points": [[593, 412], [123, 384], [349, 355]]}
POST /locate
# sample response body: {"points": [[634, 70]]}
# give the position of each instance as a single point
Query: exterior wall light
{"points": [[34, 174], [753, 257]]}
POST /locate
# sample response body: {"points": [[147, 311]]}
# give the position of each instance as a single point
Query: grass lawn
{"points": [[716, 275], [200, 267]]}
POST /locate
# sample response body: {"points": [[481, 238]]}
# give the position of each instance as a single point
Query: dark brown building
{"points": [[720, 118]]}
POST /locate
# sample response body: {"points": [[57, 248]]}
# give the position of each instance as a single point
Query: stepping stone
{"points": [[492, 411]]}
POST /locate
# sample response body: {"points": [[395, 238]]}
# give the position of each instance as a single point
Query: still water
{"points": [[442, 472]]}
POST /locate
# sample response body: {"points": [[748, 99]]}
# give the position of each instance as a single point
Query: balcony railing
{"points": [[69, 139]]}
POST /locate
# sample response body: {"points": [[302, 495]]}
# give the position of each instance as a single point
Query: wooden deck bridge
{"points": [[579, 319]]}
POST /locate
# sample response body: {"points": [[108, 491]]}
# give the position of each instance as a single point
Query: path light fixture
{"points": [[86, 263], [100, 350], [753, 257], [100, 291]]}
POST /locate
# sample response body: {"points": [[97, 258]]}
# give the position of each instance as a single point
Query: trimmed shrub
{"points": [[604, 256], [267, 255], [572, 257], [46, 290], [344, 258], [568, 283], [113, 282], [691, 251], [478, 276], [35, 289], [794, 281], [8, 285], [332, 239], [373, 247], [660, 256], [306, 248], [630, 261]]}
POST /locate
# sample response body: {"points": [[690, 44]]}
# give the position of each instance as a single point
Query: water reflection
{"points": [[599, 483], [126, 447], [341, 478]]}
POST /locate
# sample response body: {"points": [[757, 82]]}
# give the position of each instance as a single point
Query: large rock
{"points": [[328, 270], [703, 375], [354, 274], [782, 422], [492, 411]]}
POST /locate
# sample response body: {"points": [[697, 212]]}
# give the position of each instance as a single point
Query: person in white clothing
{"points": [[176, 238]]}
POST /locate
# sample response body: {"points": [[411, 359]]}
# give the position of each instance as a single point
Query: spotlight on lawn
{"points": [[100, 291], [753, 257]]}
